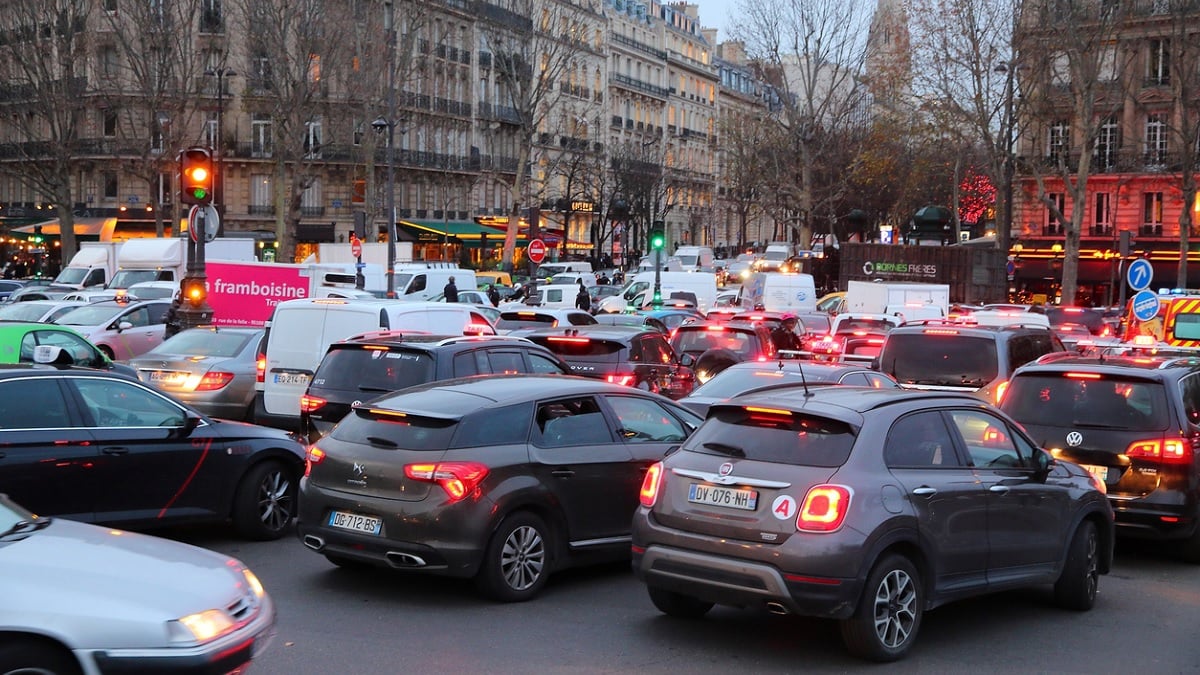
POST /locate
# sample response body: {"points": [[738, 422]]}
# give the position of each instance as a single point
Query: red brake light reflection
{"points": [[651, 485], [260, 369], [824, 508], [313, 457], [623, 380]]}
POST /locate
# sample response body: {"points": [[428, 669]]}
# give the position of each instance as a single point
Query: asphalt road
{"points": [[599, 620]]}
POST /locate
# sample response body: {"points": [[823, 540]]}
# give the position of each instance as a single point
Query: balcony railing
{"points": [[261, 210], [645, 87]]}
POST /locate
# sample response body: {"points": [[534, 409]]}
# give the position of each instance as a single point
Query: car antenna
{"points": [[803, 379]]}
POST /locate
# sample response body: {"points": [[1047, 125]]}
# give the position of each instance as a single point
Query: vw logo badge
{"points": [[726, 469], [1074, 438]]}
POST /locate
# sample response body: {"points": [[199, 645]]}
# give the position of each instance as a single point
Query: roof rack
{"points": [[481, 338]]}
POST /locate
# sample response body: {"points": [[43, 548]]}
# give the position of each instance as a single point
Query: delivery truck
{"points": [[245, 293], [910, 301]]}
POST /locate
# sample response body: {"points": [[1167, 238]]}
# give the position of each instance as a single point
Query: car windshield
{"points": [[373, 370], [203, 343], [940, 360], [689, 259], [394, 430], [775, 255], [733, 381], [23, 311], [1089, 318], [780, 437], [1056, 399], [90, 315], [865, 325], [72, 275], [700, 340]]}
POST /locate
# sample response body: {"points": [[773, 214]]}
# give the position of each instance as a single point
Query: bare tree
{"points": [[44, 103], [1076, 83], [745, 161], [537, 48]]}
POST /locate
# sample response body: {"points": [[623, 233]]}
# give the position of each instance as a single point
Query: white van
{"points": [[557, 296], [547, 270], [300, 331], [702, 284], [695, 258], [669, 264], [588, 278], [415, 281], [779, 292]]}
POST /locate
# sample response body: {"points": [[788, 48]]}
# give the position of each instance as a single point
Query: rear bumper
{"points": [[1141, 520], [285, 422]]}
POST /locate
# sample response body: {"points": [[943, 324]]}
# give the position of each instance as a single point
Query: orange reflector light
{"points": [[940, 331]]}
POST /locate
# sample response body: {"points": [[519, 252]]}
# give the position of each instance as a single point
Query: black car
{"points": [[366, 366], [639, 320], [500, 479], [626, 355], [755, 376], [1134, 422], [104, 448], [866, 506], [947, 356], [717, 345]]}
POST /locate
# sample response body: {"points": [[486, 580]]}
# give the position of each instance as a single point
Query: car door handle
{"points": [[1001, 489], [562, 473], [925, 491], [115, 451]]}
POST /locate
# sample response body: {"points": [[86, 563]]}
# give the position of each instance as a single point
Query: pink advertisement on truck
{"points": [[245, 293]]}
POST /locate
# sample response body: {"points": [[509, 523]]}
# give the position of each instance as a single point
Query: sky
{"points": [[716, 14]]}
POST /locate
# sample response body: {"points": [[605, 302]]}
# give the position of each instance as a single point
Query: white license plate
{"points": [[291, 378], [166, 377], [713, 495], [1100, 472], [355, 522]]}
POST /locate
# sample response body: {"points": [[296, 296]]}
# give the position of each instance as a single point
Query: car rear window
{"points": [[699, 340], [1088, 318], [394, 430], [513, 320], [204, 343], [1077, 400], [580, 347], [781, 437], [494, 426], [373, 369], [937, 359]]}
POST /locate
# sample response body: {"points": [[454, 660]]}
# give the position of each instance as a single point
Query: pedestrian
{"points": [[784, 336], [493, 295], [450, 291], [173, 321], [603, 280], [582, 299]]}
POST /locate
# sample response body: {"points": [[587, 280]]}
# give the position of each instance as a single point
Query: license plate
{"points": [[355, 522], [291, 378], [166, 377], [1100, 472], [713, 495]]}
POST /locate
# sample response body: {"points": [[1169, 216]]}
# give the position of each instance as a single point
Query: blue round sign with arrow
{"points": [[1145, 305], [1140, 274]]}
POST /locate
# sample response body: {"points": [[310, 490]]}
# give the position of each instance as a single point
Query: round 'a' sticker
{"points": [[784, 507]]}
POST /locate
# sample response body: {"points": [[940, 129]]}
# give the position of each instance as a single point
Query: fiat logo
{"points": [[726, 469], [1074, 438]]}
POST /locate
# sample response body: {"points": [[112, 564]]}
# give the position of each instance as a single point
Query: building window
{"points": [[110, 5], [110, 123], [1156, 138], [260, 135], [1058, 140], [261, 195], [158, 126], [311, 200], [1152, 209], [211, 18], [1108, 139], [210, 129], [312, 139], [1102, 217], [1158, 65], [108, 62], [1059, 200], [109, 179]]}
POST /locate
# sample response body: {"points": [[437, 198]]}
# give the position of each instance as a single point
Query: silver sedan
{"points": [[85, 599], [211, 368]]}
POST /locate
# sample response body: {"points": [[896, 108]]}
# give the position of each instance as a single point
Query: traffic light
{"points": [[194, 292], [658, 238], [196, 176], [37, 237]]}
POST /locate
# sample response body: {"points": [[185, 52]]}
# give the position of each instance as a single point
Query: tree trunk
{"points": [[514, 219]]}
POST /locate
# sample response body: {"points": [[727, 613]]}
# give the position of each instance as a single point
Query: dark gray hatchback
{"points": [[868, 506]]}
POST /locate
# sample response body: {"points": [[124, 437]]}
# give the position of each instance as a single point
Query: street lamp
{"points": [[219, 187], [1004, 232], [379, 125]]}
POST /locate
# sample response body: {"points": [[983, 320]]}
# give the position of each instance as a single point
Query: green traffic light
{"points": [[199, 193]]}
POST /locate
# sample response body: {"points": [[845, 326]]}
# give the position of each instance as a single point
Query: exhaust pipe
{"points": [[398, 559], [777, 608], [314, 542]]}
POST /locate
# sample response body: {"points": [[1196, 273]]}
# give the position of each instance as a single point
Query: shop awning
{"points": [[469, 233], [87, 228]]}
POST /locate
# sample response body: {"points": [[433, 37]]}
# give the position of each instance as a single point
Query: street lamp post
{"points": [[379, 125], [219, 186], [1004, 232]]}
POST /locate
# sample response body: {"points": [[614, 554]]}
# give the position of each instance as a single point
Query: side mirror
{"points": [[1043, 462], [191, 420], [875, 363], [687, 360], [124, 325]]}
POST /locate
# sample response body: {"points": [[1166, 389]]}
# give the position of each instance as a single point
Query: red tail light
{"points": [[651, 485], [310, 404], [1164, 450], [313, 457], [260, 368], [623, 380], [214, 380], [458, 479], [824, 508], [1000, 389]]}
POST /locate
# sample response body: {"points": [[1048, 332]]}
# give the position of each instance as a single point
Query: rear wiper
{"points": [[378, 389], [26, 526], [731, 450], [1097, 425], [376, 440]]}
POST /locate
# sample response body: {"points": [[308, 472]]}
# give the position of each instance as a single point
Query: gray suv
{"points": [[947, 356], [868, 506]]}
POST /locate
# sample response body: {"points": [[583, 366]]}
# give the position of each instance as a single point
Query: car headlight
{"points": [[199, 627], [255, 585]]}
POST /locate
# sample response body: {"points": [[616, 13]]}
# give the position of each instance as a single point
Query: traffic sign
{"points": [[1145, 305], [1140, 274], [536, 251], [355, 247], [212, 222]]}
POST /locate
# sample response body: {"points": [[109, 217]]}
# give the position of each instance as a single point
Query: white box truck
{"points": [[909, 301], [779, 292], [93, 265], [165, 259]]}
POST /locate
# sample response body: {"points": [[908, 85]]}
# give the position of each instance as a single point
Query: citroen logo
{"points": [[1074, 438]]}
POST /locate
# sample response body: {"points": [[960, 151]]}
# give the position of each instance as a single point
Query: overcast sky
{"points": [[715, 14]]}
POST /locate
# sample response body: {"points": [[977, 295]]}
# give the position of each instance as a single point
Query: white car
{"points": [[38, 310], [79, 598]]}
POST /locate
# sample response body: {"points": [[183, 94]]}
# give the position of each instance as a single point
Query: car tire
{"points": [[678, 605], [889, 613], [265, 502], [36, 657], [1077, 584], [713, 362], [517, 559]]}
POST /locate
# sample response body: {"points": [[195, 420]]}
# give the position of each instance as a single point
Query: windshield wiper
{"points": [[26, 526], [731, 450], [1097, 425], [385, 390]]}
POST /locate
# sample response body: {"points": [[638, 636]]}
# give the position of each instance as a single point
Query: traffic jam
{"points": [[861, 456]]}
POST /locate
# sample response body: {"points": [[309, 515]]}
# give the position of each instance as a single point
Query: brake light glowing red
{"points": [[310, 404], [575, 340], [940, 331], [1082, 376], [260, 368], [623, 380], [1164, 450], [1000, 391], [824, 508], [715, 328], [651, 485], [313, 457], [458, 479], [214, 380]]}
